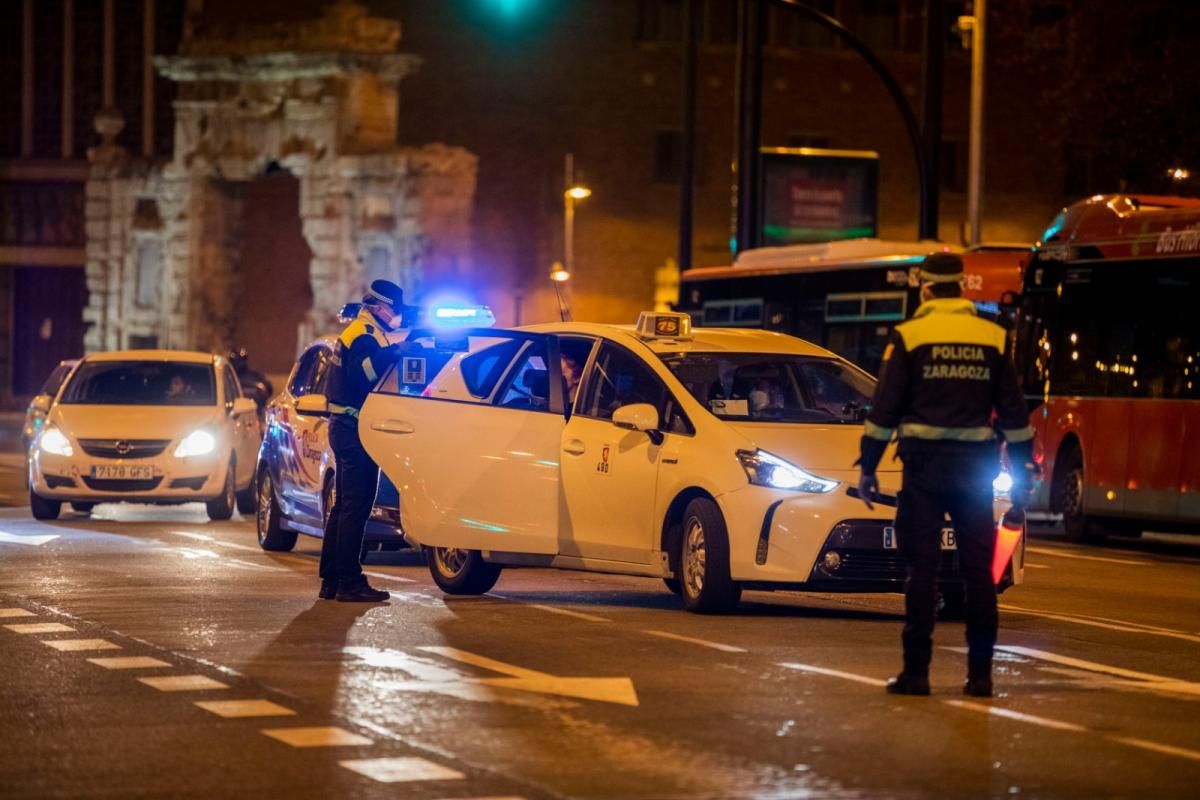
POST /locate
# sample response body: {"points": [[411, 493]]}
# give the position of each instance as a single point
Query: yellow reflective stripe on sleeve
{"points": [[887, 351], [1019, 434], [370, 370], [917, 430], [873, 431]]}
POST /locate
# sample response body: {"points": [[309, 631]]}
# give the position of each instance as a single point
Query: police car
{"points": [[295, 477], [716, 459]]}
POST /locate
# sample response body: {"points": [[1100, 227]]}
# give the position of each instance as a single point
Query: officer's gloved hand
{"points": [[868, 489], [393, 351]]}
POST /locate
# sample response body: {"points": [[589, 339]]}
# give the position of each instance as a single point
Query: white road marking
{"points": [[1090, 666], [1103, 622], [40, 627], [129, 662], [386, 577], [204, 537], [251, 565], [200, 537], [245, 708], [1045, 551], [1029, 565], [9, 613], [1165, 749], [606, 690], [77, 645], [183, 683], [566, 612], [401, 770], [1016, 716], [724, 648], [834, 673], [317, 737], [33, 541], [1008, 713]]}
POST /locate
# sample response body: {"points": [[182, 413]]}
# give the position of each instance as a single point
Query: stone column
{"points": [[106, 215]]}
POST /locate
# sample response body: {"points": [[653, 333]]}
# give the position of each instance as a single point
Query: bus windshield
{"points": [[754, 387]]}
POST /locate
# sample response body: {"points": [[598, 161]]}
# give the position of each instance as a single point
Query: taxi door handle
{"points": [[393, 426], [575, 447]]}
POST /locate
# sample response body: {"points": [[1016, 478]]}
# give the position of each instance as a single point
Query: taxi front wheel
{"points": [[703, 560], [458, 571]]}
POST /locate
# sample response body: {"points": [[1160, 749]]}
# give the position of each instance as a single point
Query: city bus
{"points": [[1108, 344], [845, 296]]}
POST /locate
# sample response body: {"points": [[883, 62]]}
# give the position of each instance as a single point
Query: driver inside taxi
{"points": [[571, 370]]}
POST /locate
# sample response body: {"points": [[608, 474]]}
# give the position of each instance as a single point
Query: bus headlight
{"points": [[196, 443], [764, 469], [56, 443]]}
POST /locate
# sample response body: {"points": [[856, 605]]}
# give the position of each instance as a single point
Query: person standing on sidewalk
{"points": [[945, 373]]}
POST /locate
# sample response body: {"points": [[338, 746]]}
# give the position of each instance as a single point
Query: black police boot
{"points": [[908, 683], [359, 591], [978, 686], [329, 587]]}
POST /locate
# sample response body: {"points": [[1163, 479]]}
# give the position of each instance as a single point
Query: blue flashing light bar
{"points": [[459, 316]]}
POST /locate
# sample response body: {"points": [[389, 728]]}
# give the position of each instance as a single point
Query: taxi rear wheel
{"points": [[706, 585], [271, 535], [457, 571]]}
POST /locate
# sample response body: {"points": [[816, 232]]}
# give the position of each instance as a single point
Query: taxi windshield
{"points": [[141, 383], [769, 387]]}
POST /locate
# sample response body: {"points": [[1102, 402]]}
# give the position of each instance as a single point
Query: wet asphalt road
{"points": [[565, 684]]}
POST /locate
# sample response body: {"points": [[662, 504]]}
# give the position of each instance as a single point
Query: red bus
{"points": [[1108, 342], [845, 296]]}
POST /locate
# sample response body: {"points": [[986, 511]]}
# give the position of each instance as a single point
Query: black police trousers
{"points": [[957, 482], [357, 481]]}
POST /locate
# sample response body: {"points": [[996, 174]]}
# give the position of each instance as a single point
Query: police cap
{"points": [[384, 293], [942, 268]]}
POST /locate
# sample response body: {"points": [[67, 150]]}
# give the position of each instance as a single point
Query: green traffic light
{"points": [[510, 8]]}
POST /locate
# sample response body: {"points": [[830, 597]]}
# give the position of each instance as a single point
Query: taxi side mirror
{"points": [[243, 405], [639, 417], [41, 403], [313, 405]]}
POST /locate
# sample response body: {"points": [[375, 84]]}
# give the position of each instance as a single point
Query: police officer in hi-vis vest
{"points": [[360, 358], [945, 373]]}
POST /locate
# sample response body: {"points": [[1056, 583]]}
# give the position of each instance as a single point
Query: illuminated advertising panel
{"points": [[811, 195]]}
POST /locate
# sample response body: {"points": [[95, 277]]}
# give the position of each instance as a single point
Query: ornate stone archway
{"points": [[319, 99]]}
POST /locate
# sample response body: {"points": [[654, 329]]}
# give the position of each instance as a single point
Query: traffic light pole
{"points": [[687, 177]]}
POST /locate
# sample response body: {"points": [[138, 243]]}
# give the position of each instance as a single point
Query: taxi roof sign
{"points": [[664, 325]]}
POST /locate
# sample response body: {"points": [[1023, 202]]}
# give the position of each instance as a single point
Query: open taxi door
{"points": [[468, 427]]}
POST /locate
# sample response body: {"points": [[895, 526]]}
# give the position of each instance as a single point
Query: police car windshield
{"points": [[753, 387], [141, 383]]}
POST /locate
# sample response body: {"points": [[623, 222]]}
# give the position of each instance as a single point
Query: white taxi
{"points": [[717, 460], [147, 426]]}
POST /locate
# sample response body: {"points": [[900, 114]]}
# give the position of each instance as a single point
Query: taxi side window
{"points": [[232, 389], [529, 384], [482, 370], [619, 378]]}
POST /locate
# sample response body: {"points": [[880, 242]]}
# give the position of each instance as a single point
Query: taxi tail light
{"points": [[1008, 535]]}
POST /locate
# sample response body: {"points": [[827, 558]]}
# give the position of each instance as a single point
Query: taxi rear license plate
{"points": [[949, 542], [122, 472]]}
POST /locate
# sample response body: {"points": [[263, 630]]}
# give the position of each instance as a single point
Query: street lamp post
{"points": [[572, 193]]}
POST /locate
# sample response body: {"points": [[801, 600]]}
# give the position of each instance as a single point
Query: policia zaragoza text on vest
{"points": [[360, 358], [944, 373]]}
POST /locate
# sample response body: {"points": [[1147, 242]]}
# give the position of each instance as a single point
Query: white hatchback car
{"points": [[147, 426], [717, 460]]}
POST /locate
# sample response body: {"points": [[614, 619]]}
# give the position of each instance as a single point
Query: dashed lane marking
{"points": [[834, 673], [129, 662], [10, 613], [33, 541], [245, 708], [40, 627], [1008, 713], [1104, 622], [78, 645], [566, 612], [183, 683], [1090, 666], [1045, 551], [317, 737], [1156, 747], [724, 648], [401, 770], [383, 576], [203, 537], [1028, 565]]}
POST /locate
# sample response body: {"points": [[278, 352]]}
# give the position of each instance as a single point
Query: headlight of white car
{"points": [[764, 469], [56, 443], [196, 443]]}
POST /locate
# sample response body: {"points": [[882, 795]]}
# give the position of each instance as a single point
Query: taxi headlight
{"points": [[1002, 484], [196, 443], [764, 469], [56, 443]]}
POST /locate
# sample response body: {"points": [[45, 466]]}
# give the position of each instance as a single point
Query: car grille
{"points": [[124, 448], [859, 544], [122, 485]]}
